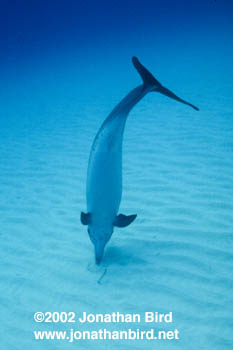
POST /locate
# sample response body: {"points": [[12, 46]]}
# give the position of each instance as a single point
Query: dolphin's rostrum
{"points": [[104, 175]]}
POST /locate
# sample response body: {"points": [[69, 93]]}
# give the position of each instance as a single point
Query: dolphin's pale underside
{"points": [[104, 175]]}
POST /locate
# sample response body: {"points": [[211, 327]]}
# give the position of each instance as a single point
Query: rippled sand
{"points": [[177, 256]]}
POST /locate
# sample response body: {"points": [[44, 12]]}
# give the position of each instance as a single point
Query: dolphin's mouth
{"points": [[98, 260], [99, 251]]}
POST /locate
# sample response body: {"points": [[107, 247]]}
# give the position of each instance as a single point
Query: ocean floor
{"points": [[178, 177]]}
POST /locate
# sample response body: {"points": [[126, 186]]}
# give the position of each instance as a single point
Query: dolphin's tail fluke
{"points": [[150, 82], [146, 76]]}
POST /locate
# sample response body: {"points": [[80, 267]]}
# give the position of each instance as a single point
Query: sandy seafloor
{"points": [[178, 177]]}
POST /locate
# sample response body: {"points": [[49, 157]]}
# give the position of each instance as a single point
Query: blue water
{"points": [[64, 66]]}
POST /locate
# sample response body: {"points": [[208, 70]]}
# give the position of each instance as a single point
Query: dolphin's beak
{"points": [[99, 251], [98, 259]]}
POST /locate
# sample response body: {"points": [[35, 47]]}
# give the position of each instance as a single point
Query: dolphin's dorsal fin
{"points": [[124, 220], [85, 218]]}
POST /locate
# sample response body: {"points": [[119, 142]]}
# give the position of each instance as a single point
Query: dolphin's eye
{"points": [[88, 230]]}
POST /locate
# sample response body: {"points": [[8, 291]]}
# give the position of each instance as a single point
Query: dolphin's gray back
{"points": [[104, 176]]}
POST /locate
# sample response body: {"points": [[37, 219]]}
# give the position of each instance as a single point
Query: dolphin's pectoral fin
{"points": [[85, 218], [124, 220]]}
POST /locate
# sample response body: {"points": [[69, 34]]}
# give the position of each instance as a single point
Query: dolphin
{"points": [[104, 174]]}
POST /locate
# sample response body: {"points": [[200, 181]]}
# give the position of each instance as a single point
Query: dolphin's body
{"points": [[104, 176]]}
